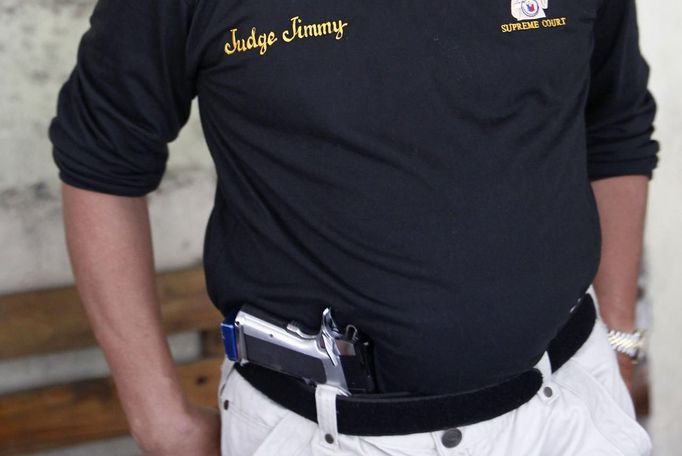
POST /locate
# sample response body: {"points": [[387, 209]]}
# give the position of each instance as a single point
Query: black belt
{"points": [[391, 414]]}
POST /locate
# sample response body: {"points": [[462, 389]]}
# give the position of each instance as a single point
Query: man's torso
{"points": [[419, 167]]}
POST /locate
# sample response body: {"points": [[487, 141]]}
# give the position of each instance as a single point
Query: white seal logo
{"points": [[528, 9]]}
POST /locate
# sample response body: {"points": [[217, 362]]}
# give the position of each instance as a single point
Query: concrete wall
{"points": [[38, 40]]}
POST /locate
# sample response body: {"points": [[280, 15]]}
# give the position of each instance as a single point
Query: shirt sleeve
{"points": [[128, 96], [620, 109]]}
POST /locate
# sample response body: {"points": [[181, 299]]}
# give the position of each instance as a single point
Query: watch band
{"points": [[628, 343]]}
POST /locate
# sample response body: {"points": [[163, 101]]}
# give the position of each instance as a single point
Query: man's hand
{"points": [[627, 370], [196, 432]]}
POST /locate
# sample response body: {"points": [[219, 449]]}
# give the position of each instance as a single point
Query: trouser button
{"points": [[451, 438]]}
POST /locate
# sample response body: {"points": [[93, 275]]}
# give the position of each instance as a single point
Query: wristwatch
{"points": [[628, 343]]}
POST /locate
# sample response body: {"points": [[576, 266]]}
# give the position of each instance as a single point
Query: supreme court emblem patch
{"points": [[528, 9], [531, 15]]}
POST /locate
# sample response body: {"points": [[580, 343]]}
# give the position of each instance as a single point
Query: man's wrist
{"points": [[156, 405], [150, 423], [619, 317]]}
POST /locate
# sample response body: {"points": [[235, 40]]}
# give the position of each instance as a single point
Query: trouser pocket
{"points": [[579, 411], [593, 376], [253, 424], [608, 417], [598, 359]]}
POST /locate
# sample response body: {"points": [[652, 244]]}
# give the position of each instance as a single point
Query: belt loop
{"points": [[548, 391], [325, 402]]}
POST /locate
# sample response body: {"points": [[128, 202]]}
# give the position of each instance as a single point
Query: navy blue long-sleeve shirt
{"points": [[423, 168]]}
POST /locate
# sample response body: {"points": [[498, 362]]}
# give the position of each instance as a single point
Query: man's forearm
{"points": [[109, 243], [622, 207]]}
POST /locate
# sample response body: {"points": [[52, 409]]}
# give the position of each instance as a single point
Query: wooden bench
{"points": [[50, 321]]}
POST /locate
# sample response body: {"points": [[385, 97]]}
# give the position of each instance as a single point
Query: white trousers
{"points": [[582, 409]]}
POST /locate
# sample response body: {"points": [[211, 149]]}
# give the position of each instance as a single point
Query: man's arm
{"points": [[621, 202], [109, 243], [126, 99], [621, 158]]}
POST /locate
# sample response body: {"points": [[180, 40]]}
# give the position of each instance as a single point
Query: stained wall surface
{"points": [[38, 40], [661, 42]]}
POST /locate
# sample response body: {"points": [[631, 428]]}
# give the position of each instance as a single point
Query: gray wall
{"points": [[662, 45], [38, 40]]}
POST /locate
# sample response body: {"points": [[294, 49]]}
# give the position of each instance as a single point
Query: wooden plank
{"points": [[87, 410], [53, 320], [211, 343]]}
